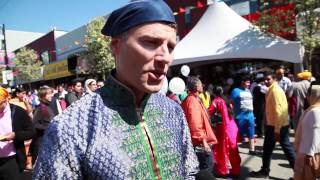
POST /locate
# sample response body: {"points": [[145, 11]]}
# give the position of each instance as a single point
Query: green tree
{"points": [[279, 21], [98, 51], [28, 65], [309, 18], [282, 22]]}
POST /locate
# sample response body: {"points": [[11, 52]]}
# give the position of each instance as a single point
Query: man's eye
{"points": [[150, 42], [170, 48]]}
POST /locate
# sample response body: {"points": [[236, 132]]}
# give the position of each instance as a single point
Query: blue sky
{"points": [[43, 15]]}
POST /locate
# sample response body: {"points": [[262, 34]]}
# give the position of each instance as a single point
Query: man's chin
{"points": [[153, 88]]}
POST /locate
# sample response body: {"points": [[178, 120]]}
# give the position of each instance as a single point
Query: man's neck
{"points": [[281, 77], [196, 93], [273, 83], [137, 94], [20, 100], [139, 97]]}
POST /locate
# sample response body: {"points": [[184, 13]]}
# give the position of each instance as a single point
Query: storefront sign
{"points": [[56, 70]]}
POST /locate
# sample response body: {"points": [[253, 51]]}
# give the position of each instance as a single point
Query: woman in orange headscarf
{"points": [[15, 128]]}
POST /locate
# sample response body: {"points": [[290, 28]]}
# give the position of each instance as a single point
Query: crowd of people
{"points": [[123, 128], [267, 106], [41, 105]]}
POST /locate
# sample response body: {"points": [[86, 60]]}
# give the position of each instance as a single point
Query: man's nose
{"points": [[164, 54]]}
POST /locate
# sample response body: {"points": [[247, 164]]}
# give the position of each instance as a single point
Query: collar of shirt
{"points": [[120, 94]]}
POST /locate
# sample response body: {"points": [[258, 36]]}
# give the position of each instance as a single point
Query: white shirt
{"points": [[285, 83], [310, 133]]}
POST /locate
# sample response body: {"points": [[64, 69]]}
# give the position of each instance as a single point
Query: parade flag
{"points": [[199, 4], [181, 10]]}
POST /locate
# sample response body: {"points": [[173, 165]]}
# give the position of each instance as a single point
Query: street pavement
{"points": [[280, 169]]}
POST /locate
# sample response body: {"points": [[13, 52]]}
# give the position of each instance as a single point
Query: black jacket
{"points": [[43, 115], [72, 97], [23, 128], [53, 104]]}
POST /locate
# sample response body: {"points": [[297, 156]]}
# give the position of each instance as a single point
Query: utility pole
{"points": [[6, 59]]}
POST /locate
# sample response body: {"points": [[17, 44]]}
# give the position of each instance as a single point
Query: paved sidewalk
{"points": [[280, 168]]}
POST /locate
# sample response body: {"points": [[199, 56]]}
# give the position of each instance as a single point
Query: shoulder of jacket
{"points": [[15, 107]]}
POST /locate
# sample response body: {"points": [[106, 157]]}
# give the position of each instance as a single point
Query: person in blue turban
{"points": [[137, 13], [126, 130]]}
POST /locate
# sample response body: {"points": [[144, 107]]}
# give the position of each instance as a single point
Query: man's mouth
{"points": [[157, 75]]}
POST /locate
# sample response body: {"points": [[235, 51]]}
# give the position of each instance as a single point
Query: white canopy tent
{"points": [[222, 34]]}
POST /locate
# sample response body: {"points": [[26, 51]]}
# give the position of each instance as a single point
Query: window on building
{"points": [[72, 62], [45, 57], [242, 8]]}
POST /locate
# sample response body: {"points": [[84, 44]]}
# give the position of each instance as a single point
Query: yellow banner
{"points": [[56, 70]]}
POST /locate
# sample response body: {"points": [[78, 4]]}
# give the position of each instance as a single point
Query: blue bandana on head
{"points": [[137, 13]]}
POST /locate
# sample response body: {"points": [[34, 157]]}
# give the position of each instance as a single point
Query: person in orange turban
{"points": [[16, 127], [299, 91], [3, 93], [305, 75]]}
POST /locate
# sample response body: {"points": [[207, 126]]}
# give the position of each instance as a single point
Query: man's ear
{"points": [[115, 46]]}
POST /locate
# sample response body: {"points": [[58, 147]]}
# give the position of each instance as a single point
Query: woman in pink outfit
{"points": [[226, 151]]}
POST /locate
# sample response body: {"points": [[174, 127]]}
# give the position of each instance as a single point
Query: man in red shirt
{"points": [[197, 116]]}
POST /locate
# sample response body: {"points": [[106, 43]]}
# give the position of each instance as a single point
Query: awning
{"points": [[221, 34]]}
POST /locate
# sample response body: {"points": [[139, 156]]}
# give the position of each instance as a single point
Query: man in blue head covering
{"points": [[126, 130]]}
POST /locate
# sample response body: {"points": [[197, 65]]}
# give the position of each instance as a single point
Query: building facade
{"points": [[45, 46]]}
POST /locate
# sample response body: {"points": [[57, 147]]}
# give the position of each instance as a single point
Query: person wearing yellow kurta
{"points": [[205, 98], [277, 127], [276, 107]]}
